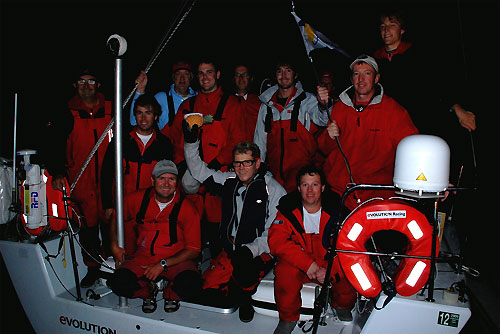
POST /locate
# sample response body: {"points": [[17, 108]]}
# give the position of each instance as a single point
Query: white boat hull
{"points": [[51, 309]]}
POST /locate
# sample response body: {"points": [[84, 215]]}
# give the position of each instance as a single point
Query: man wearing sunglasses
{"points": [[249, 195], [79, 129]]}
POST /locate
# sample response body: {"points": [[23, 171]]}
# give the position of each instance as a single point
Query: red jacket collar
{"points": [[134, 135], [383, 54], [215, 94], [76, 102], [275, 95]]}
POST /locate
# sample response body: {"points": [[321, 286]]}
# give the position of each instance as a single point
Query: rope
{"points": [[171, 31]]}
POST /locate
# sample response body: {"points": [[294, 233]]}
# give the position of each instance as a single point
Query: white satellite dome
{"points": [[422, 164]]}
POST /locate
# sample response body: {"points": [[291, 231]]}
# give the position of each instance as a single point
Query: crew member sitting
{"points": [[168, 240], [295, 238], [250, 195]]}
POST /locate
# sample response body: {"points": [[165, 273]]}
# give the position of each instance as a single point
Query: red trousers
{"points": [[139, 264], [288, 283]]}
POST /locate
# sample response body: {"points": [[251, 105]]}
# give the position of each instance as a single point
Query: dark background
{"points": [[45, 44]]}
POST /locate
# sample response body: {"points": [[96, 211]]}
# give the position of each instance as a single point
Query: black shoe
{"points": [[343, 314], [91, 277], [149, 305], [171, 306], [246, 312], [285, 327]]}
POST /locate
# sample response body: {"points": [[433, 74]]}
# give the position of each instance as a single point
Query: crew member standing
{"points": [[288, 119], [80, 128]]}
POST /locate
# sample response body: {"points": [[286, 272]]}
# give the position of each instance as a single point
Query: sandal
{"points": [[171, 305], [149, 305]]}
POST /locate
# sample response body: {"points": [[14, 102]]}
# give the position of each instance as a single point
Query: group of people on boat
{"points": [[254, 178]]}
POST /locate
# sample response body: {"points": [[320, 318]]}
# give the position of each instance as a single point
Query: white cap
{"points": [[365, 59]]}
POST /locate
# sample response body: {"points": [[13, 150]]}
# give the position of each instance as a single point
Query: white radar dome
{"points": [[422, 164]]}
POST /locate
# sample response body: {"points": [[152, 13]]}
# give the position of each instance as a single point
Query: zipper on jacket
{"points": [[153, 242], [96, 161], [358, 122], [282, 154], [229, 230]]}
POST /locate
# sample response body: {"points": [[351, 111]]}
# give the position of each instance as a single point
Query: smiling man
{"points": [[222, 128], [295, 238], [142, 148], [168, 240], [249, 198], [369, 126], [180, 90], [288, 119]]}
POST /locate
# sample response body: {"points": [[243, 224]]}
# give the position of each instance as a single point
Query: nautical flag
{"points": [[313, 39]]}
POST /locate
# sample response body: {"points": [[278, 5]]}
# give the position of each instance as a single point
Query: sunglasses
{"points": [[244, 163], [89, 81]]}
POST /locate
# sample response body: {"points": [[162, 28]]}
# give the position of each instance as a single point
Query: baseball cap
{"points": [[164, 166], [365, 59], [85, 71], [181, 65]]}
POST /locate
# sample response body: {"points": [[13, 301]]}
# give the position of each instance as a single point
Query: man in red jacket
{"points": [[369, 126], [295, 238], [142, 148], [221, 130], [288, 120], [80, 128], [250, 102], [167, 242]]}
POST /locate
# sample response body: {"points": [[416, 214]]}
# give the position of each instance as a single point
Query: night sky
{"points": [[44, 45]]}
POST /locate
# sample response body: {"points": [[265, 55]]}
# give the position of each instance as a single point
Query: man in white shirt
{"points": [[295, 238]]}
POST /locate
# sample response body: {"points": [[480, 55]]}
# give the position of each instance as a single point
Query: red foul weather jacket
{"points": [[82, 127], [157, 234], [138, 163], [219, 137], [369, 140], [250, 110], [296, 250], [285, 134]]}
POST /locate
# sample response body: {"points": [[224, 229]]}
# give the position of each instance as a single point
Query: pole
{"points": [[14, 188], [118, 46], [430, 282], [123, 302], [72, 247], [118, 153]]}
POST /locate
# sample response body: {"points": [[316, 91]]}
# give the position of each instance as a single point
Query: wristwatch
{"points": [[163, 263]]}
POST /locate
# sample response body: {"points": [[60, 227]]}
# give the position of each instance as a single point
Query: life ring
{"points": [[378, 215], [51, 205]]}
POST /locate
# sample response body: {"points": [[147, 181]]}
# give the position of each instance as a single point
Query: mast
{"points": [[118, 46]]}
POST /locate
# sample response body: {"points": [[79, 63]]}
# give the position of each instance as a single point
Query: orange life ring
{"points": [[379, 215]]}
